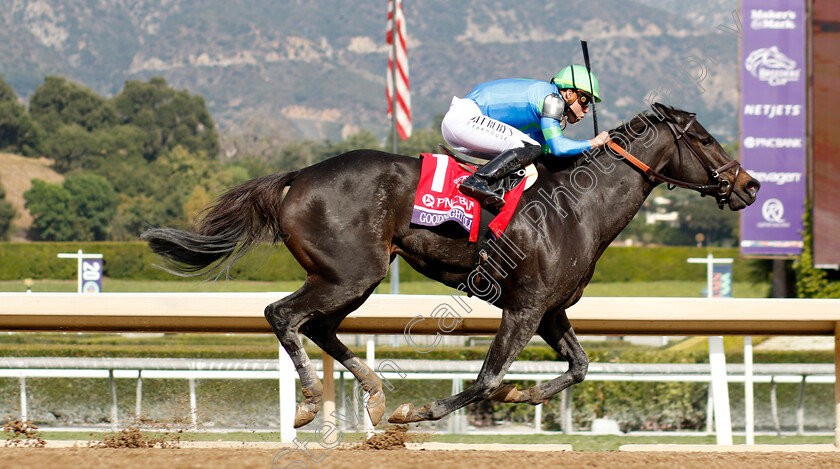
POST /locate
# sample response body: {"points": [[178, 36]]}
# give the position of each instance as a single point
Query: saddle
{"points": [[502, 186]]}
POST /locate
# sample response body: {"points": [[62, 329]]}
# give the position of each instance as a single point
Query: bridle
{"points": [[721, 189]]}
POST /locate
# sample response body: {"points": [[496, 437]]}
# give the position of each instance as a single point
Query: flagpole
{"points": [[395, 266]]}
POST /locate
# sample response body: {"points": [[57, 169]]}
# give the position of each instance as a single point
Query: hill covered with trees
{"points": [[289, 69]]}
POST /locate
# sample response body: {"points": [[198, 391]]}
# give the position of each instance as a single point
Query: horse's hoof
{"points": [[404, 414], [305, 413], [376, 408]]}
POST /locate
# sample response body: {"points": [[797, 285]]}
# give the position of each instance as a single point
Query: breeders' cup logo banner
{"points": [[772, 66], [773, 144]]}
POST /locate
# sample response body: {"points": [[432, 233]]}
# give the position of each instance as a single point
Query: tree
{"points": [[134, 214], [295, 155], [79, 209], [60, 102], [52, 216], [7, 215], [198, 200], [18, 132], [168, 118], [810, 281], [94, 202], [701, 215], [72, 147], [359, 140]]}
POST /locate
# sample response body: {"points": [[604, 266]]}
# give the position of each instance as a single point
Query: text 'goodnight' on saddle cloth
{"points": [[438, 199]]}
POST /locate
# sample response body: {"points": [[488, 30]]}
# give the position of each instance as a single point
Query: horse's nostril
{"points": [[752, 186]]}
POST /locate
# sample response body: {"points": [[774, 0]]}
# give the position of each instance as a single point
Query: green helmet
{"points": [[575, 77]]}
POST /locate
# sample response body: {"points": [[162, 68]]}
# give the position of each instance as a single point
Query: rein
{"points": [[722, 188]]}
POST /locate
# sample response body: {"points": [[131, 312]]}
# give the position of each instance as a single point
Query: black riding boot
{"points": [[478, 184]]}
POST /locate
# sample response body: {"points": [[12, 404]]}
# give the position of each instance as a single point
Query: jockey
{"points": [[519, 120]]}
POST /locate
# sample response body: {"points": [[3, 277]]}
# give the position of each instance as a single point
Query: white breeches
{"points": [[467, 130]]}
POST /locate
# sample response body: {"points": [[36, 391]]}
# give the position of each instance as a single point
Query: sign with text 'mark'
{"points": [[773, 118]]}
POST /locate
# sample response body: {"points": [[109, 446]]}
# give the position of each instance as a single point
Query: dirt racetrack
{"points": [[241, 458]]}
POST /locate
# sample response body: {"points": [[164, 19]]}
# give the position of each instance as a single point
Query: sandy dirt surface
{"points": [[401, 458]]}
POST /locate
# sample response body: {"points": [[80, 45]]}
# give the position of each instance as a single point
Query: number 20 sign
{"points": [[91, 275]]}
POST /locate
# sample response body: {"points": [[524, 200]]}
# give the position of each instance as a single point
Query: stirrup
{"points": [[489, 199], [494, 201]]}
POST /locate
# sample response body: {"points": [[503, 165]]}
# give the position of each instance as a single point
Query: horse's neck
{"points": [[620, 191], [626, 199]]}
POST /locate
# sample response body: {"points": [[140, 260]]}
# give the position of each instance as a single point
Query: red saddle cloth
{"points": [[438, 199]]}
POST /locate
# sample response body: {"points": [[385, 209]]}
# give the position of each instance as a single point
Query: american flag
{"points": [[403, 94]]}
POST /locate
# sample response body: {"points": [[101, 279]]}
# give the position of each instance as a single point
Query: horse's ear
{"points": [[664, 112]]}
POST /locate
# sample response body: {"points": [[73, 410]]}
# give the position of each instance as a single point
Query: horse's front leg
{"points": [[515, 331], [557, 331]]}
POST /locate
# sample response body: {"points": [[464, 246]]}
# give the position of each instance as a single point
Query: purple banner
{"points": [[773, 145], [91, 275]]}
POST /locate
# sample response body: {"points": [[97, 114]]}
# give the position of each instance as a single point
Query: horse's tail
{"points": [[238, 219]]}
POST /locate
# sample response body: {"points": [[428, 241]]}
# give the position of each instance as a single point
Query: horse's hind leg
{"points": [[317, 298], [557, 331], [322, 331], [516, 330]]}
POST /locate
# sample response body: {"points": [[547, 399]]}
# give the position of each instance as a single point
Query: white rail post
{"points": [[837, 384], [717, 360], [723, 421], [568, 406], [342, 397], [79, 256], [455, 418], [138, 406], [287, 396], [800, 408], [538, 412], [193, 404], [371, 363], [23, 411], [113, 387], [749, 398]]}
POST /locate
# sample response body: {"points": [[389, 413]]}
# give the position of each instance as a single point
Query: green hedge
{"points": [[635, 264], [134, 261]]}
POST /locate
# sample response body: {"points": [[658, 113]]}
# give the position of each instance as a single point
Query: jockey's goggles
{"points": [[584, 98]]}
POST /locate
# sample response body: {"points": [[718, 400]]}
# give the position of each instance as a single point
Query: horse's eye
{"points": [[706, 141]]}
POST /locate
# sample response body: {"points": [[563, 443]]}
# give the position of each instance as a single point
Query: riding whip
{"points": [[591, 89]]}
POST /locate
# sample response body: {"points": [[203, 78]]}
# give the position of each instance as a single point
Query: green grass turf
{"points": [[624, 289]]}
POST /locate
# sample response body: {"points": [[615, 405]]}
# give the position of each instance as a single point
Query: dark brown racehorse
{"points": [[345, 219]]}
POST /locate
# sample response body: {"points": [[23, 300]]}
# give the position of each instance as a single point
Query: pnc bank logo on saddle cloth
{"points": [[438, 199]]}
